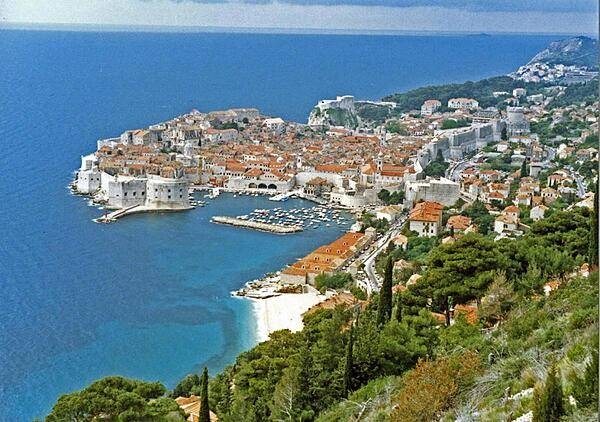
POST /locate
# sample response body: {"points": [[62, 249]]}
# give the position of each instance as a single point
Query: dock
{"points": [[134, 209], [255, 225]]}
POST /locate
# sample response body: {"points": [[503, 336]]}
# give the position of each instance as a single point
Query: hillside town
{"points": [[422, 172], [462, 284]]}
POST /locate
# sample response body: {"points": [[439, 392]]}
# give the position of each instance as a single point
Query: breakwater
{"points": [[255, 225]]}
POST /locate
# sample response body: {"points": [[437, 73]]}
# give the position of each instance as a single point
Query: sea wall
{"points": [[272, 228]]}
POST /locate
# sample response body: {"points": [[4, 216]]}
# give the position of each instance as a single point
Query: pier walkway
{"points": [[265, 227]]}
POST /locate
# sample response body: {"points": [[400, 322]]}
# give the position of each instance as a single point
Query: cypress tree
{"points": [[384, 311], [504, 134], [399, 308], [585, 389], [204, 410], [524, 172], [593, 248], [349, 362], [549, 404]]}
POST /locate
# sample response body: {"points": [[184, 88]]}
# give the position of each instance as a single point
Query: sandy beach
{"points": [[283, 312]]}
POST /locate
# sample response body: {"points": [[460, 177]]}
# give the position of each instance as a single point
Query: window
{"points": [[125, 194], [169, 196], [134, 193]]}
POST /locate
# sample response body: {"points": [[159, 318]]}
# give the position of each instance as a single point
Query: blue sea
{"points": [[148, 297]]}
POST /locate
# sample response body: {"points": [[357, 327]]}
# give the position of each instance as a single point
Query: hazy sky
{"points": [[537, 16]]}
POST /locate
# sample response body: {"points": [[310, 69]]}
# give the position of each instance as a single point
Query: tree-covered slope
{"points": [[480, 90]]}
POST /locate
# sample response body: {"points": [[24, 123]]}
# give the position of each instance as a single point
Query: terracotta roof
{"points": [[459, 222], [427, 211]]}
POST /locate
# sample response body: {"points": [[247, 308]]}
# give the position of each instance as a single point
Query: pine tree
{"points": [[384, 311], [349, 362], [204, 410], [593, 248], [549, 404]]}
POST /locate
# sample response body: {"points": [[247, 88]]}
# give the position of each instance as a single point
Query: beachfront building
{"points": [[426, 218], [327, 259], [463, 103]]}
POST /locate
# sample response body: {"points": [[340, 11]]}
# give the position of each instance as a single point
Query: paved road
{"points": [[373, 283], [580, 185]]}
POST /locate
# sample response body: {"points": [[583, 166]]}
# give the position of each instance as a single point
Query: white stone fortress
{"points": [[119, 191]]}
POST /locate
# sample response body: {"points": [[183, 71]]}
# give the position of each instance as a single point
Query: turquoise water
{"points": [[148, 297]]}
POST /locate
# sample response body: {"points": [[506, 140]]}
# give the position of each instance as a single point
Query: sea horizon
{"points": [[69, 27]]}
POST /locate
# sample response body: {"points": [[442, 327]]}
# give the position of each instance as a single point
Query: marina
{"points": [[306, 218]]}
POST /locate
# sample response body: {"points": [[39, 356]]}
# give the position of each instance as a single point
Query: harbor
{"points": [[305, 218]]}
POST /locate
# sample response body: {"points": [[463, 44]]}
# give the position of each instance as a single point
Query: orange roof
{"points": [[255, 172], [512, 208], [469, 311], [427, 211], [459, 222], [331, 168]]}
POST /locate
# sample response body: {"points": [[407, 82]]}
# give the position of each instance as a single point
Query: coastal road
{"points": [[373, 283], [580, 184]]}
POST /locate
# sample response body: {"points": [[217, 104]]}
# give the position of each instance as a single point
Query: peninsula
{"points": [[468, 286]]}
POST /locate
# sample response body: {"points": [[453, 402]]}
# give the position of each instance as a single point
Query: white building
{"points": [[345, 102], [519, 92], [516, 123], [389, 213], [219, 136], [537, 212], [444, 191], [163, 193], [125, 191], [276, 124], [88, 176], [430, 106], [426, 219], [463, 103]]}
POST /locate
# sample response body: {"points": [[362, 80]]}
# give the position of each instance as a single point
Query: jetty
{"points": [[135, 209], [255, 225]]}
